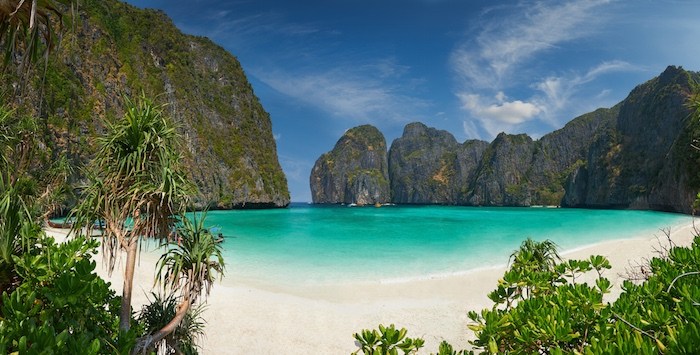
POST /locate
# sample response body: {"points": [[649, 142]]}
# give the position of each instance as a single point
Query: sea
{"points": [[316, 244]]}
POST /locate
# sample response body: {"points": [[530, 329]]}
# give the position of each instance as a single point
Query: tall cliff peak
{"points": [[116, 49], [355, 171], [428, 166], [673, 74]]}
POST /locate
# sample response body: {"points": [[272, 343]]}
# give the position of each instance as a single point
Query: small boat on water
{"points": [[66, 225]]}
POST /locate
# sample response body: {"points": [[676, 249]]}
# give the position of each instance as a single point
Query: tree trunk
{"points": [[125, 313], [146, 342]]}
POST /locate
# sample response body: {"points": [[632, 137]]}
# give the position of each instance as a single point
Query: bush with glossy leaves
{"points": [[548, 311], [61, 306]]}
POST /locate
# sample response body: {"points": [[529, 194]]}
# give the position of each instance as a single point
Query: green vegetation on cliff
{"points": [[637, 154], [115, 49], [355, 171]]}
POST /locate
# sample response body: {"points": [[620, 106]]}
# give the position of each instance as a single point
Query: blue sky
{"points": [[472, 67]]}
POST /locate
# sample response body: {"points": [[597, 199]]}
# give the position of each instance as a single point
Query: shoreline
{"points": [[245, 317]]}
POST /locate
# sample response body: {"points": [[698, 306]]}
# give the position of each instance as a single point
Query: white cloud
{"points": [[504, 54], [470, 130], [498, 115], [511, 112], [504, 43], [347, 95], [558, 90], [608, 67], [553, 96], [388, 68]]}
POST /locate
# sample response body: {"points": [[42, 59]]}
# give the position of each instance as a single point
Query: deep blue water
{"points": [[324, 244]]}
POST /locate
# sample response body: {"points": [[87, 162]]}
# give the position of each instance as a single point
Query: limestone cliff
{"points": [[429, 166], [636, 154], [111, 49], [355, 171], [502, 176], [640, 160]]}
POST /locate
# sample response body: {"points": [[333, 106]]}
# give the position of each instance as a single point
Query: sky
{"points": [[472, 67]]}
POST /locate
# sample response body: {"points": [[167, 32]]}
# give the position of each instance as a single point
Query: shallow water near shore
{"points": [[311, 245]]}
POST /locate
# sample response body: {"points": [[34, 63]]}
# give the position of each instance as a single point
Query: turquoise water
{"points": [[308, 244]]}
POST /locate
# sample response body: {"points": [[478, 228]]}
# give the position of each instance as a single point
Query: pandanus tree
{"points": [[137, 188], [27, 29], [188, 268], [535, 256], [17, 232], [16, 228]]}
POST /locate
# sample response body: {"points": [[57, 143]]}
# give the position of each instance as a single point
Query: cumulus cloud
{"points": [[502, 55], [511, 112], [553, 95], [499, 114]]}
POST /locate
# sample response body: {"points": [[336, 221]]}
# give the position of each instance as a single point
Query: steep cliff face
{"points": [[428, 166], [638, 163], [355, 171], [636, 154], [501, 179], [558, 154], [112, 49]]}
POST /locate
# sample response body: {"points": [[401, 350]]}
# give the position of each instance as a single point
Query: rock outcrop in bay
{"points": [[429, 166], [501, 179], [636, 154], [355, 171], [112, 50]]}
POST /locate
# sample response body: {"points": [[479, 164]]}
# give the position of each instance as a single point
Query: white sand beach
{"points": [[243, 318]]}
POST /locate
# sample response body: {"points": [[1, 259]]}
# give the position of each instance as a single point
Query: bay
{"points": [[311, 244]]}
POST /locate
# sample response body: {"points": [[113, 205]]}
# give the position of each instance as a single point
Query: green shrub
{"points": [[62, 306], [545, 310], [386, 341]]}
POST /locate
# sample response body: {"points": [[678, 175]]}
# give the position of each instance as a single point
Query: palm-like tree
{"points": [[190, 266], [17, 232], [137, 188], [26, 26], [535, 256], [159, 312], [17, 143], [17, 227]]}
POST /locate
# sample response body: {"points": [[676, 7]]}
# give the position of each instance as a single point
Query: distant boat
{"points": [[352, 205], [65, 225]]}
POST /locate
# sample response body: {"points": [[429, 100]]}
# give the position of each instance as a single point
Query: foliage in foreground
{"points": [[159, 312], [388, 340], [392, 341], [545, 310], [186, 269], [52, 301], [61, 306], [541, 306], [137, 187]]}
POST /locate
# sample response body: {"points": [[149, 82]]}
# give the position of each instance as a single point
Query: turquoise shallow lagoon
{"points": [[308, 244]]}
